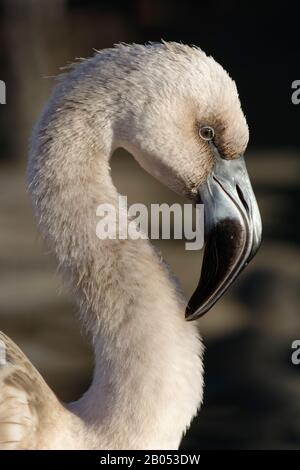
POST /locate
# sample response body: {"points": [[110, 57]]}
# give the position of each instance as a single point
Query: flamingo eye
{"points": [[206, 133]]}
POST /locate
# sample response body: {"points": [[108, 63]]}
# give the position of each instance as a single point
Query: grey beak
{"points": [[232, 232]]}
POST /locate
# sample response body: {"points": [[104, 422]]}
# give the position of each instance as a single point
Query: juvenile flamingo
{"points": [[178, 113]]}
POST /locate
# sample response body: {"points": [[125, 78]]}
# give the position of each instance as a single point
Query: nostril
{"points": [[242, 199]]}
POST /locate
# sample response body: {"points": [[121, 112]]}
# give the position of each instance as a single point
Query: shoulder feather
{"points": [[24, 398]]}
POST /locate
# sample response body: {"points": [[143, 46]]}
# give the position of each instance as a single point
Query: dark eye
{"points": [[206, 133]]}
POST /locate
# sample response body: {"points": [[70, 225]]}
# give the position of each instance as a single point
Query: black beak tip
{"points": [[189, 317], [188, 314], [192, 314]]}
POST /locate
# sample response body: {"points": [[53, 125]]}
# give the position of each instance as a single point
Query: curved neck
{"points": [[147, 382]]}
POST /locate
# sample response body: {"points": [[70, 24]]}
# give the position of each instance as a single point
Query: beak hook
{"points": [[232, 232]]}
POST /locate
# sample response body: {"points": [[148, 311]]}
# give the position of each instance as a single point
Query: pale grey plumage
{"points": [[148, 382]]}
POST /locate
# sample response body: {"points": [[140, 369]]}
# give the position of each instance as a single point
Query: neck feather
{"points": [[147, 382]]}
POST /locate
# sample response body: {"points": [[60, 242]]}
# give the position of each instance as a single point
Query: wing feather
{"points": [[25, 399]]}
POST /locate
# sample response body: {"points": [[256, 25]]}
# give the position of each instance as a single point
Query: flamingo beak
{"points": [[232, 232]]}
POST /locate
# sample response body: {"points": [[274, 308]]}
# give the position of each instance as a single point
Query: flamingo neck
{"points": [[147, 381]]}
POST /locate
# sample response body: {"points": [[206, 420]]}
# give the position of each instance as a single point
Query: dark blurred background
{"points": [[252, 388]]}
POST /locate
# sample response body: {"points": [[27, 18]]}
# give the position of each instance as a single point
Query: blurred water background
{"points": [[252, 388]]}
